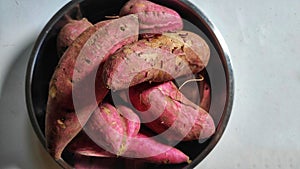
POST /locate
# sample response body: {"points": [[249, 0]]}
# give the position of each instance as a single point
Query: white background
{"points": [[264, 41]]}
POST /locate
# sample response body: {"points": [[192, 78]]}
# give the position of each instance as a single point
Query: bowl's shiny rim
{"points": [[216, 34], [213, 31]]}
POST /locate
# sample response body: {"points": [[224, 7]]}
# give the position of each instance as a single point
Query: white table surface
{"points": [[263, 38]]}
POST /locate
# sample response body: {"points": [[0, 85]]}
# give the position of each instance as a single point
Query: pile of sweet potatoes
{"points": [[114, 93]]}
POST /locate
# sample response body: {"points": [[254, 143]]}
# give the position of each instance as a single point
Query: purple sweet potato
{"points": [[110, 130], [157, 59], [153, 18], [166, 111], [70, 32], [77, 74]]}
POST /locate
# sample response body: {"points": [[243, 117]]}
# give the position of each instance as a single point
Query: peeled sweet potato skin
{"points": [[182, 119], [157, 59], [63, 123], [153, 18]]}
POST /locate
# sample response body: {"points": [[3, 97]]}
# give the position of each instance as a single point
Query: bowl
{"points": [[44, 59]]}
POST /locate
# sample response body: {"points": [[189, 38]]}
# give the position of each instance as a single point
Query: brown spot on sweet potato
{"points": [[122, 28], [61, 124], [52, 92]]}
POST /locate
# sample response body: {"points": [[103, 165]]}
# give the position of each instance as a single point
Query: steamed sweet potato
{"points": [[166, 111], [153, 18], [157, 59], [74, 78], [110, 130], [70, 32]]}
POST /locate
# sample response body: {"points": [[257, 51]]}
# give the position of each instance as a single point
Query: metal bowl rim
{"points": [[214, 31]]}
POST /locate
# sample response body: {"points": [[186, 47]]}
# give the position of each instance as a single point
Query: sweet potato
{"points": [[149, 150], [70, 32], [153, 18], [140, 147], [76, 73], [205, 100], [157, 59], [83, 145], [166, 111], [86, 54], [126, 128], [110, 130], [131, 120]]}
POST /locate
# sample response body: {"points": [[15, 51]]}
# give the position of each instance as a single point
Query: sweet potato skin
{"points": [[110, 130], [141, 147], [166, 111], [153, 18], [131, 120], [154, 152], [63, 123], [206, 97], [157, 59], [70, 32], [83, 145], [107, 127], [86, 54], [122, 120]]}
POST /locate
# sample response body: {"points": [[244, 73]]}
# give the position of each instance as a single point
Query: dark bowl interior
{"points": [[44, 60]]}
